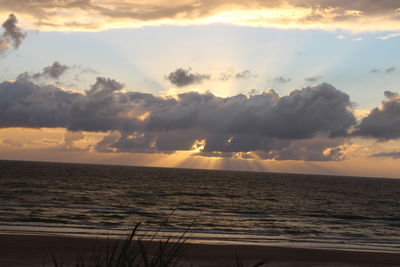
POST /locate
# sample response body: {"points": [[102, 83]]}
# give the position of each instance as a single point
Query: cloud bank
{"points": [[308, 124], [356, 15]]}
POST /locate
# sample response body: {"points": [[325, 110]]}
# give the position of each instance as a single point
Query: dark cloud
{"points": [[25, 104], [183, 77], [246, 74], [273, 126], [281, 79], [315, 149], [313, 79], [390, 70], [393, 154], [87, 70], [312, 149], [59, 74], [104, 86], [382, 123], [385, 71], [225, 76], [105, 144], [301, 114], [53, 72], [12, 35], [12, 32], [376, 71], [390, 95]]}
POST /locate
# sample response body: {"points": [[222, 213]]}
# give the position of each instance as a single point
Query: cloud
{"points": [[225, 76], [389, 36], [319, 148], [183, 77], [281, 79], [275, 126], [389, 70], [246, 74], [60, 74], [358, 15], [391, 95], [376, 71], [105, 144], [312, 79], [24, 104], [53, 72], [393, 154], [12, 35], [70, 138], [12, 32], [315, 149], [382, 123], [104, 86]]}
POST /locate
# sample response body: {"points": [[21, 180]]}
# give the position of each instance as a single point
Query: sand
{"points": [[33, 250]]}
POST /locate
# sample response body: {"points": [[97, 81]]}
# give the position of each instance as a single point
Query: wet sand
{"points": [[33, 250]]}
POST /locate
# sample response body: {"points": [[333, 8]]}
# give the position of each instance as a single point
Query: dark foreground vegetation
{"points": [[135, 252]]}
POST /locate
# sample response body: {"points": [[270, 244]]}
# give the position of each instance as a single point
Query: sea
{"points": [[206, 206]]}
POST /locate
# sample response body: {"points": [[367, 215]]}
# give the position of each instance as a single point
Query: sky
{"points": [[279, 86]]}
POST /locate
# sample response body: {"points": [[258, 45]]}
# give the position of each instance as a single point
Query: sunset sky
{"points": [[306, 86]]}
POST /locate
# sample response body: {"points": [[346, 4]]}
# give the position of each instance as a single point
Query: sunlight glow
{"points": [[198, 146]]}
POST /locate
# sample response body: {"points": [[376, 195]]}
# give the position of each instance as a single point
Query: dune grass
{"points": [[132, 251]]}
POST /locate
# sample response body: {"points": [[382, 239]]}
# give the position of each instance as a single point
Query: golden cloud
{"points": [[95, 15]]}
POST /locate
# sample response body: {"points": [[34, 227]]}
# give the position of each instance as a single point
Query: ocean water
{"points": [[218, 207]]}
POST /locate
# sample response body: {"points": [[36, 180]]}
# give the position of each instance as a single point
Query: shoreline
{"points": [[286, 243], [32, 250]]}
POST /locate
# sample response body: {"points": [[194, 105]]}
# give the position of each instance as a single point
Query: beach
{"points": [[34, 250]]}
